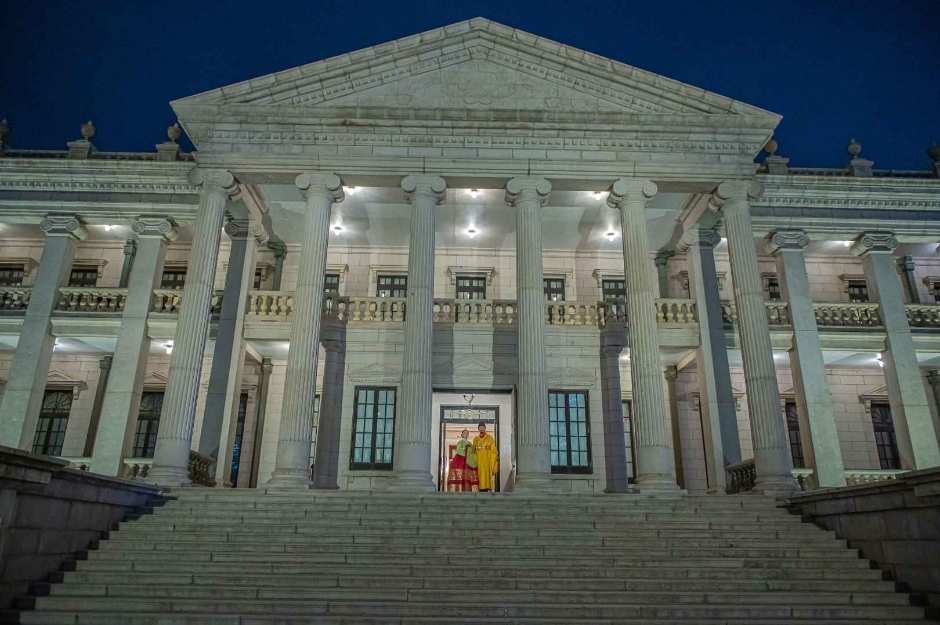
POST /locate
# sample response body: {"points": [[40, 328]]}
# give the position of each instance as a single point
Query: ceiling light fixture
{"points": [[169, 347], [474, 193], [108, 228], [337, 229], [351, 190], [598, 195], [847, 243], [471, 232], [881, 363], [56, 345], [611, 235]]}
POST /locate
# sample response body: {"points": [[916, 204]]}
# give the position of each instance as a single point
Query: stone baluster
{"points": [[821, 449], [528, 196], [174, 437], [326, 463], [654, 456], [771, 445], [917, 439], [412, 459], [613, 342], [292, 463], [22, 399]]}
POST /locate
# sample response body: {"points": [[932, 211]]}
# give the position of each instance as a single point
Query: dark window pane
{"points": [[858, 292], [373, 428], [83, 276], [148, 422], [628, 439], [257, 283], [53, 420], [569, 433], [471, 288], [773, 289], [392, 286], [173, 279], [885, 438], [614, 290], [554, 289], [239, 437], [331, 284], [793, 432], [11, 276]]}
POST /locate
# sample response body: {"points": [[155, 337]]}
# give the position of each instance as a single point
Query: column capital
{"points": [[215, 181], [739, 190], [706, 238], [874, 243], [278, 247], [424, 185], [908, 263], [531, 189], [671, 372], [64, 226], [663, 256], [631, 190], [786, 240], [130, 246], [105, 363], [267, 366], [149, 227], [243, 228], [328, 186]]}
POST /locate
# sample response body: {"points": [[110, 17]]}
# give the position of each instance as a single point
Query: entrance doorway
{"points": [[455, 419]]}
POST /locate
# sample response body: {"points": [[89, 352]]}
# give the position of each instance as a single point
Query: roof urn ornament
{"points": [[88, 131], [174, 132], [854, 148], [771, 146]]}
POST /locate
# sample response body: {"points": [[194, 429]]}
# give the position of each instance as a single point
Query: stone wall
{"points": [[895, 523], [48, 512]]}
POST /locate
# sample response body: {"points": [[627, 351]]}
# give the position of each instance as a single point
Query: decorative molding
{"points": [[571, 378], [878, 394], [58, 379], [150, 227], [64, 225], [874, 243], [684, 279], [154, 380], [338, 268], [849, 279], [377, 374], [28, 264], [175, 265], [386, 270], [471, 272], [932, 282], [566, 273], [607, 274], [98, 263], [766, 277]]}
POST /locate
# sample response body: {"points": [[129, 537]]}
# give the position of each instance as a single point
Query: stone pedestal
{"points": [[225, 379], [22, 398], [122, 397], [917, 439], [326, 461], [771, 445], [613, 342], [818, 431], [412, 459], [175, 435], [534, 462], [654, 457], [292, 464]]}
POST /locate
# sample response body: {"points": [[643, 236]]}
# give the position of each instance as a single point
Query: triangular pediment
{"points": [[469, 365], [376, 372], [571, 377], [154, 379], [476, 64]]}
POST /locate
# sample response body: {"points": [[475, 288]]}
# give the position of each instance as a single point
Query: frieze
{"points": [[866, 201], [73, 185]]}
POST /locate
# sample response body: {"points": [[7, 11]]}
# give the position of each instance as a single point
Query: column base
{"points": [[412, 481], [657, 483], [533, 483], [775, 485], [169, 476], [288, 479], [617, 486]]}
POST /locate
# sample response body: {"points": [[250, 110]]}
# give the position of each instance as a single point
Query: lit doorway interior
{"points": [[455, 419]]}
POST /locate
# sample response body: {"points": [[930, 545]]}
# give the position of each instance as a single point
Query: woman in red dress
{"points": [[462, 476]]}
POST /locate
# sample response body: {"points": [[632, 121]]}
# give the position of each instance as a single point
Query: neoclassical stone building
{"points": [[369, 253]]}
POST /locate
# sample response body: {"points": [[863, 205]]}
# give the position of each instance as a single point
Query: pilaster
{"points": [[670, 374], [280, 253], [326, 463], [662, 265], [906, 265], [262, 403], [130, 249], [613, 342], [104, 371]]}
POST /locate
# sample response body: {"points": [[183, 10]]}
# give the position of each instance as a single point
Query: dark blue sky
{"points": [[833, 68]]}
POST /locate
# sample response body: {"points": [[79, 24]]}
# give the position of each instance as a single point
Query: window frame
{"points": [[626, 409], [11, 272], [774, 294], [613, 293], [372, 465], [56, 420], [568, 468], [151, 426], [549, 290], [477, 285], [791, 415], [79, 276], [889, 457], [239, 438], [174, 285], [857, 289], [330, 280], [391, 287]]}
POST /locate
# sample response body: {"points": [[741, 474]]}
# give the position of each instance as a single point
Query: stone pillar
{"points": [[917, 439], [771, 445], [818, 430], [613, 341], [326, 462], [717, 406], [907, 275], [534, 462], [130, 249], [670, 373], [662, 261], [292, 463], [262, 402], [654, 457], [175, 435], [122, 398], [104, 369], [228, 359], [280, 252], [412, 459], [22, 400]]}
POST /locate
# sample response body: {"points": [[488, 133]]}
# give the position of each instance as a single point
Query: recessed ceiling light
{"points": [[337, 228], [108, 228], [598, 195], [169, 347], [847, 243], [881, 363], [611, 235], [471, 232], [351, 190], [474, 193]]}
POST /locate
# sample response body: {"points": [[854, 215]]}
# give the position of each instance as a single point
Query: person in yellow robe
{"points": [[487, 459]]}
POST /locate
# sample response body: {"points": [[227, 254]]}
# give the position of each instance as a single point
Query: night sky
{"points": [[834, 69]]}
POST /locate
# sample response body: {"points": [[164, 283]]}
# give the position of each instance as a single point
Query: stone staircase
{"points": [[239, 557]]}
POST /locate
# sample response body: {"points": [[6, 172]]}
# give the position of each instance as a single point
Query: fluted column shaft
{"points": [[613, 340], [771, 445], [534, 464], [326, 462], [412, 459], [292, 463], [22, 398], [653, 444], [175, 435]]}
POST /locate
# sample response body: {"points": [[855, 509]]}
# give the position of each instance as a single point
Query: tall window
{"points": [[773, 289], [53, 419], [11, 276], [373, 429], [173, 279], [316, 425], [471, 288], [614, 290], [256, 285], [569, 432], [885, 439], [627, 407], [554, 289], [331, 284], [83, 276], [392, 286], [935, 289], [793, 432], [858, 291], [148, 421], [239, 437]]}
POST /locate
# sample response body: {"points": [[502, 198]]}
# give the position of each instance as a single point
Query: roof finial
{"points": [[854, 148], [773, 164], [88, 131], [83, 148], [858, 167], [771, 146], [174, 132]]}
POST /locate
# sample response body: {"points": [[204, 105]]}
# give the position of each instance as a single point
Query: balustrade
{"points": [[572, 313], [678, 311], [136, 468], [778, 313], [923, 315], [805, 478], [375, 309], [852, 314], [740, 477], [74, 299], [870, 476], [200, 469], [169, 301], [15, 298], [82, 464], [271, 303]]}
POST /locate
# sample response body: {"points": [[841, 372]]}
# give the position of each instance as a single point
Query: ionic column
{"points": [[122, 398], [818, 431], [292, 463], [104, 370], [26, 385], [228, 359], [534, 463], [771, 446], [175, 435], [412, 459], [326, 463], [917, 439], [654, 457], [262, 402], [613, 341]]}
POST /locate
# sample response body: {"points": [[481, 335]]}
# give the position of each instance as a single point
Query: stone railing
{"points": [[15, 298], [804, 477], [573, 313], [475, 311], [676, 311], [169, 301], [740, 477], [75, 299], [778, 313], [271, 303], [82, 464], [870, 476], [374, 309], [852, 315], [923, 315], [200, 469], [136, 468]]}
